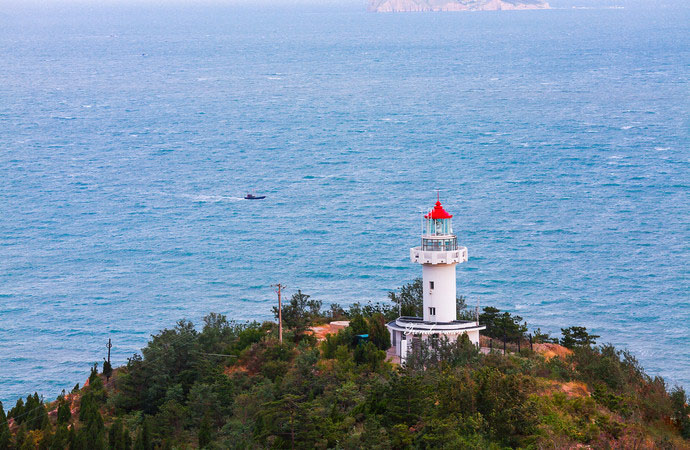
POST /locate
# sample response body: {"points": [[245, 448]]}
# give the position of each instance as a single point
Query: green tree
{"points": [[17, 413], [171, 357], [461, 309], [577, 337], [116, 436], [502, 325], [5, 434], [143, 439], [32, 413], [281, 418], [64, 413], [107, 370], [93, 429], [367, 354], [503, 401], [410, 300], [217, 333], [60, 438], [358, 325], [543, 338], [94, 373], [335, 312], [299, 312], [128, 440], [681, 411], [24, 440], [72, 443], [205, 434], [378, 333], [407, 399]]}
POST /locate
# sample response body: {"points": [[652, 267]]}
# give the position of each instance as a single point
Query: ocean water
{"points": [[128, 135]]}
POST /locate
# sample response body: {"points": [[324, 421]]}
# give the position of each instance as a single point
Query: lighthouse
{"points": [[439, 254]]}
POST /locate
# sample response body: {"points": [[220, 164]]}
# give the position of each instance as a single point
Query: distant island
{"points": [[454, 5]]}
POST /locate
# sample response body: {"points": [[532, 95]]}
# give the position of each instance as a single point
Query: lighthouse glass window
{"points": [[440, 226]]}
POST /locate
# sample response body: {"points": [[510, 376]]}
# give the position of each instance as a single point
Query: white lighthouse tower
{"points": [[438, 255]]}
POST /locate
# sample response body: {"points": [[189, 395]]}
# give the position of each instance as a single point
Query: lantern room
{"points": [[437, 230]]}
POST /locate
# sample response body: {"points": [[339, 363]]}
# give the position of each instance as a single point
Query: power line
{"points": [[43, 405]]}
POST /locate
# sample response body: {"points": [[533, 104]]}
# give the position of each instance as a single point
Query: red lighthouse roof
{"points": [[438, 212]]}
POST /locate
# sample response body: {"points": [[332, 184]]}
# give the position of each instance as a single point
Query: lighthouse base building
{"points": [[438, 254]]}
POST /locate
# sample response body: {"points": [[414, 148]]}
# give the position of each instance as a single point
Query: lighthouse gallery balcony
{"points": [[421, 256]]}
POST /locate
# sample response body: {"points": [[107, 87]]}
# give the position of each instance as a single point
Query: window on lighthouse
{"points": [[431, 285], [432, 311]]}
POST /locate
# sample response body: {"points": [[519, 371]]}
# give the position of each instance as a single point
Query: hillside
{"points": [[231, 385], [454, 5]]}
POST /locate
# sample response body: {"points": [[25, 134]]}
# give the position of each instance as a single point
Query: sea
{"points": [[130, 133]]}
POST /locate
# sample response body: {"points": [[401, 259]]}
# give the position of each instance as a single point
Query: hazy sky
{"points": [[566, 3]]}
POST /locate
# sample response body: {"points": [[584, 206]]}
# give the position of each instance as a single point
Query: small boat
{"points": [[254, 197]]}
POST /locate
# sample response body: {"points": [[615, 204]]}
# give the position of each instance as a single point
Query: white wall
{"points": [[442, 297]]}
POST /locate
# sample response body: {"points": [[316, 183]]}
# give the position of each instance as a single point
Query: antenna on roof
{"points": [[438, 195]]}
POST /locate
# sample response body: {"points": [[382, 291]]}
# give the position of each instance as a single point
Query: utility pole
{"points": [[279, 287], [107, 368], [476, 311]]}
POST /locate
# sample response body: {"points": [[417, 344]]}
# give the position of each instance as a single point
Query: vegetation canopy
{"points": [[234, 385]]}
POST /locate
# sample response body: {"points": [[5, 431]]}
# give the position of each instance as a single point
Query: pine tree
{"points": [[407, 399], [71, 438], [78, 440], [411, 298], [61, 437], [20, 437], [5, 434], [577, 337], [64, 413], [204, 434], [27, 442], [37, 416], [298, 313], [358, 325], [127, 440], [93, 430], [18, 411], [378, 333], [118, 437], [94, 373], [107, 370], [47, 438], [143, 440]]}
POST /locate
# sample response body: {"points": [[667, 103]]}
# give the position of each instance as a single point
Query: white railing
{"points": [[438, 257]]}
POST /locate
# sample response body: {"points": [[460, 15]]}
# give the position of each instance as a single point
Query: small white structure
{"points": [[438, 255]]}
